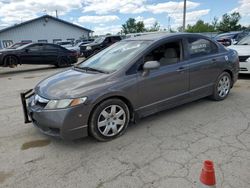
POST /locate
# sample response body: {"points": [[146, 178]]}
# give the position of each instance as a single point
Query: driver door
{"points": [[31, 54], [167, 86]]}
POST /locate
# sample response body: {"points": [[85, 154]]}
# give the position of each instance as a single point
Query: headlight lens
{"points": [[88, 48], [64, 103]]}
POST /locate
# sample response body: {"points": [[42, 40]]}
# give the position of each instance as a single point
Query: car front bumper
{"points": [[245, 67], [67, 123]]}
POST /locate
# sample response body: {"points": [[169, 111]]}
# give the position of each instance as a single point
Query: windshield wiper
{"points": [[91, 69]]}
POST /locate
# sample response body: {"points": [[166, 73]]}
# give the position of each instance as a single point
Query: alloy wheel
{"points": [[223, 86], [111, 120]]}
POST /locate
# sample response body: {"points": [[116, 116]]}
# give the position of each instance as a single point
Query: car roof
{"points": [[159, 36]]}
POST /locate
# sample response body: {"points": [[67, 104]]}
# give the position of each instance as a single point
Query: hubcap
{"points": [[223, 86], [111, 120]]}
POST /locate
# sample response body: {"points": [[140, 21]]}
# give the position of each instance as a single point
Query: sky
{"points": [[107, 16]]}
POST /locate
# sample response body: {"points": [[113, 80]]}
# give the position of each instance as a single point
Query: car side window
{"points": [[34, 48], [167, 54], [199, 47], [50, 47]]}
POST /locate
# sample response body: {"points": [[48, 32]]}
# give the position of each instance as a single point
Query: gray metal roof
{"points": [[42, 17]]}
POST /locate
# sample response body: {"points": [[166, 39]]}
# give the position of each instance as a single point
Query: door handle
{"points": [[214, 60], [180, 69]]}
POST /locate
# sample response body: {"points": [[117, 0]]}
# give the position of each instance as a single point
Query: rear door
{"points": [[49, 53], [31, 54], [204, 61]]}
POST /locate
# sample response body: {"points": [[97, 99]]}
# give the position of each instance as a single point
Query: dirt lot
{"points": [[164, 150]]}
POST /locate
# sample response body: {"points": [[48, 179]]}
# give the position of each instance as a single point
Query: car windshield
{"points": [[115, 56], [15, 46], [244, 41], [99, 40]]}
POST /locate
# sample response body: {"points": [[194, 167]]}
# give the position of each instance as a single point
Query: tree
{"points": [[131, 26], [155, 27], [230, 22], [200, 27]]}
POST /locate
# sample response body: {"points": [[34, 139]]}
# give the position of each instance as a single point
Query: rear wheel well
{"points": [[123, 99], [231, 75]]}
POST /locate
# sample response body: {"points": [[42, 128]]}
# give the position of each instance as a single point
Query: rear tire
{"points": [[222, 87], [109, 120], [63, 62]]}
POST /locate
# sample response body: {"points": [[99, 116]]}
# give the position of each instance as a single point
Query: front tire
{"points": [[222, 87], [10, 61], [109, 120]]}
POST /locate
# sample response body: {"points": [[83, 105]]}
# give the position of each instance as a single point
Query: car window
{"points": [[36, 47], [166, 54], [198, 47], [115, 39], [116, 56], [50, 47]]}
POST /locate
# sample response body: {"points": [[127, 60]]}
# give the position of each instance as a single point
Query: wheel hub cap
{"points": [[223, 86], [111, 120]]}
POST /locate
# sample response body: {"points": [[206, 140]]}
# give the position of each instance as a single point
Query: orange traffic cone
{"points": [[207, 177]]}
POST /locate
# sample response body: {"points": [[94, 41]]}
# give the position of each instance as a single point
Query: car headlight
{"points": [[88, 48], [64, 103]]}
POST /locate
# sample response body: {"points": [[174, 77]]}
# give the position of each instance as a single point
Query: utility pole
{"points": [[184, 15], [56, 14]]}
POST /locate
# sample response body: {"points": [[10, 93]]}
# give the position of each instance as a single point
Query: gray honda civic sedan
{"points": [[131, 79]]}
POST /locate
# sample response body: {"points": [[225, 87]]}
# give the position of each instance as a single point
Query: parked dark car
{"points": [[37, 53], [131, 79], [98, 44], [230, 38]]}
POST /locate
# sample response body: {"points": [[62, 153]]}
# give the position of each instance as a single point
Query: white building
{"points": [[42, 29]]}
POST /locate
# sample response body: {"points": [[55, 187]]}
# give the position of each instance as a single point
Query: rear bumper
{"points": [[244, 67], [67, 123]]}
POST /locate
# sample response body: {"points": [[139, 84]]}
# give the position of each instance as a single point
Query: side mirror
{"points": [[150, 65]]}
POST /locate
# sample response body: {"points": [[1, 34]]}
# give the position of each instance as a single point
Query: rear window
{"points": [[198, 47]]}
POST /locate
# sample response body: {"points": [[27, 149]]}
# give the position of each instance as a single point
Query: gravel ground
{"points": [[163, 150]]}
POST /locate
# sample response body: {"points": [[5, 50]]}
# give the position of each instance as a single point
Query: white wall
{"points": [[43, 30]]}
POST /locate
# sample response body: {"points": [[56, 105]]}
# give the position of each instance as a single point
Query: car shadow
{"points": [[244, 76], [19, 71]]}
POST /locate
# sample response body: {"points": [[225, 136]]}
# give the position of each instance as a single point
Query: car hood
{"points": [[243, 50], [70, 84], [7, 50]]}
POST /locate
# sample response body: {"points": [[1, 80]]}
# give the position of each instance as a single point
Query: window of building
{"points": [[199, 47], [26, 41], [71, 39], [43, 41], [7, 43], [56, 40]]}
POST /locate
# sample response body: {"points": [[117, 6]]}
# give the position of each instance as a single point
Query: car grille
{"points": [[243, 58]]}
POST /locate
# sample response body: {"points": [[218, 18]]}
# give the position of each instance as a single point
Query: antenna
{"points": [[56, 14], [184, 15]]}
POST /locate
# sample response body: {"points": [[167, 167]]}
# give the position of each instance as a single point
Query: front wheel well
{"points": [[123, 99], [5, 57]]}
